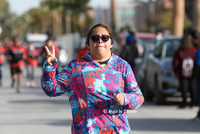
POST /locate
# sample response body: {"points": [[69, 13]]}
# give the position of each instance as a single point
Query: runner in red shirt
{"points": [[16, 54], [2, 60], [7, 43], [31, 63], [82, 51]]}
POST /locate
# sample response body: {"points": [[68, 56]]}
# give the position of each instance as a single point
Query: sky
{"points": [[21, 6]]}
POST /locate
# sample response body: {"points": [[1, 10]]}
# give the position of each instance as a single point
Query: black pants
{"points": [[187, 85], [198, 95]]}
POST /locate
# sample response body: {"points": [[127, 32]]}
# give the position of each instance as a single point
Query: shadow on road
{"points": [[60, 123], [168, 125]]}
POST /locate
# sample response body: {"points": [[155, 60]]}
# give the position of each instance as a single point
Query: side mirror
{"points": [[156, 54]]}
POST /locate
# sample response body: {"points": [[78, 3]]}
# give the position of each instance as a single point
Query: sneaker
{"points": [[28, 83], [197, 119], [12, 84], [33, 83], [17, 90]]}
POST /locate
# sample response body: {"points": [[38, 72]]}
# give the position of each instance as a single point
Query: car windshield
{"points": [[169, 47]]}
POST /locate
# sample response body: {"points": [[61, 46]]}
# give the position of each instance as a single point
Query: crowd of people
{"points": [[20, 56]]}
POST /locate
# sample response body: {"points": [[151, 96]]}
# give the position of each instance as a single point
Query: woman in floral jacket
{"points": [[100, 85]]}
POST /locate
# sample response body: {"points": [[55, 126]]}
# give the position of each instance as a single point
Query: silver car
{"points": [[160, 81]]}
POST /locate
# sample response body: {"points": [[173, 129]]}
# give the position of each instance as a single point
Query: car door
{"points": [[153, 65]]}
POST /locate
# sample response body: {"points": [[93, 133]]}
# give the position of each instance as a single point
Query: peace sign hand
{"points": [[51, 56]]}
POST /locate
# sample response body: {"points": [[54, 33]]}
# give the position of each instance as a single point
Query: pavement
{"points": [[32, 112]]}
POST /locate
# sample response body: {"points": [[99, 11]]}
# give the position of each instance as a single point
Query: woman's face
{"points": [[100, 50]]}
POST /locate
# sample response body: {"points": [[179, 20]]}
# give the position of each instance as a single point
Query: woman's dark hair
{"points": [[95, 26], [186, 42]]}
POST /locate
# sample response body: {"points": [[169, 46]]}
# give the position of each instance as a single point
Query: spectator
{"points": [[196, 78], [130, 51], [186, 52], [195, 36]]}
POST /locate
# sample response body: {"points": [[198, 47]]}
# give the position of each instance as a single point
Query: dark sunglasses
{"points": [[104, 38]]}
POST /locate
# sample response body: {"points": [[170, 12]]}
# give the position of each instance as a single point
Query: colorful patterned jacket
{"points": [[90, 90]]}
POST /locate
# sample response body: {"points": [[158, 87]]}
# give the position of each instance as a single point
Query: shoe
{"points": [[197, 119], [12, 84], [28, 83], [17, 90], [33, 83]]}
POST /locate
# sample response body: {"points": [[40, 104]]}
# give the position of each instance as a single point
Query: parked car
{"points": [[160, 81], [147, 42]]}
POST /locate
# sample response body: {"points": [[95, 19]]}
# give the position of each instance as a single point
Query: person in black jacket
{"points": [[195, 36], [196, 78], [130, 51]]}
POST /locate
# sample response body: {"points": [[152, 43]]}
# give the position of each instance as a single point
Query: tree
{"points": [[178, 17], [196, 15], [69, 10], [6, 19]]}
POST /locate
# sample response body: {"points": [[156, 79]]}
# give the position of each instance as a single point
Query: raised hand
{"points": [[51, 56], [119, 98]]}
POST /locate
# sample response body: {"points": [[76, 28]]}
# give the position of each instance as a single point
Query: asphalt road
{"points": [[32, 112]]}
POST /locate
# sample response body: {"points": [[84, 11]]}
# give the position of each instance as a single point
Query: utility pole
{"points": [[178, 17], [113, 14]]}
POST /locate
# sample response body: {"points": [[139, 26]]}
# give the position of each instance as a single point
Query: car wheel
{"points": [[159, 96]]}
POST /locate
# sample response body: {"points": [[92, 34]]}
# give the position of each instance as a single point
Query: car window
{"points": [[169, 47], [158, 49]]}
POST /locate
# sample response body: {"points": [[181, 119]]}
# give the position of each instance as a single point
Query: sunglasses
{"points": [[104, 38]]}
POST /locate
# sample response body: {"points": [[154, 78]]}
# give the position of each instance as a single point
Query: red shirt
{"points": [[2, 52], [17, 53], [32, 57], [178, 60], [82, 51]]}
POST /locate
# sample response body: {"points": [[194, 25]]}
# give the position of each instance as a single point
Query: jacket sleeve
{"points": [[133, 97], [55, 85]]}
